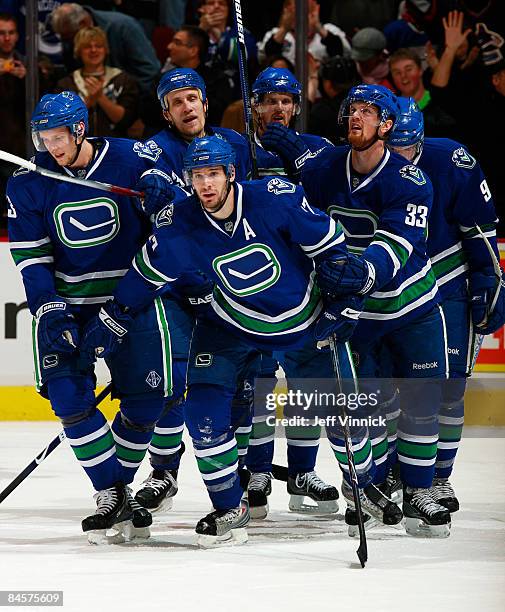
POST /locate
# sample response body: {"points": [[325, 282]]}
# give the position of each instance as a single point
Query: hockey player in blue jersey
{"points": [[276, 98], [462, 209], [183, 99], [383, 204], [264, 298], [72, 244]]}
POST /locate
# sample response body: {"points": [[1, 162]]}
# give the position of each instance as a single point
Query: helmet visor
{"points": [[48, 140]]}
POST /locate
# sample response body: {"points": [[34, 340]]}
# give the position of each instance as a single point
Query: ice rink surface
{"points": [[291, 562]]}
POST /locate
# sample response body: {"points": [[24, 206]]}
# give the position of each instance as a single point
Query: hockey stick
{"points": [[244, 86], [19, 161], [45, 453], [362, 551]]}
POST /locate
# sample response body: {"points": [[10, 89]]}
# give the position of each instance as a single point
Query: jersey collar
{"points": [[370, 177], [96, 162], [238, 204]]}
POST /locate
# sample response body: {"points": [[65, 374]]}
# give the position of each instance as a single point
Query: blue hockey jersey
{"points": [[461, 199], [263, 266], [270, 163], [73, 241], [384, 216], [169, 149]]}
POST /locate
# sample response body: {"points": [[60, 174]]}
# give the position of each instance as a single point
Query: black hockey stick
{"points": [[362, 551], [244, 86], [45, 453]]}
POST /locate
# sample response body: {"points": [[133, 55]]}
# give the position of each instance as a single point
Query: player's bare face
{"points": [[276, 107], [186, 112], [210, 185], [60, 144], [363, 124]]}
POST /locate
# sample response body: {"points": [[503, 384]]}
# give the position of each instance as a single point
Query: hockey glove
{"points": [[286, 143], [158, 192], [104, 333], [487, 301], [199, 298], [57, 329], [341, 277], [339, 317]]}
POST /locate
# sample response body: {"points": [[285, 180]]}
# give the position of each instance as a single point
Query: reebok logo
{"points": [[453, 351], [425, 366]]}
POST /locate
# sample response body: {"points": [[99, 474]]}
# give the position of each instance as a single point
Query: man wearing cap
{"points": [[368, 50]]}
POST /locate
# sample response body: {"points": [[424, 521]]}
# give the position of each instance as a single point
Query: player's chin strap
{"points": [[77, 151]]}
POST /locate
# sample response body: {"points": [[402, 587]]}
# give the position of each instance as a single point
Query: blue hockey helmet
{"points": [[409, 127], [179, 78], [378, 95], [208, 151], [65, 109], [276, 80]]}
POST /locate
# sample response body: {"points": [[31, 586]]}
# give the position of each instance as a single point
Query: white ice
{"points": [[291, 562]]}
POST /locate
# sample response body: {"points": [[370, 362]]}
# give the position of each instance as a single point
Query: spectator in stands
{"points": [[12, 95], [368, 50], [188, 49], [336, 76], [353, 15], [407, 31], [216, 20], [407, 75], [459, 81], [129, 47], [110, 94], [490, 155], [324, 41]]}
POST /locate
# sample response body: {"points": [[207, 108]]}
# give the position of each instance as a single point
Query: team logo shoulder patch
{"points": [[279, 186], [413, 173], [165, 216], [149, 150], [463, 159]]}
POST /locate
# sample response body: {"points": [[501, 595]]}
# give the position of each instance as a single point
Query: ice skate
{"points": [[111, 522], [443, 493], [308, 484], [373, 503], [158, 491], [259, 488], [223, 527], [423, 516], [141, 518]]}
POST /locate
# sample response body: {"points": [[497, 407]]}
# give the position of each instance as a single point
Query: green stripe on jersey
{"points": [[448, 264], [390, 305], [19, 255], [255, 325], [401, 252], [96, 287]]}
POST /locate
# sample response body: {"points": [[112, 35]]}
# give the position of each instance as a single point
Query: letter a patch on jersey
{"points": [[463, 159], [413, 173]]}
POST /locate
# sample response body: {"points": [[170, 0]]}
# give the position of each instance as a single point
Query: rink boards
{"points": [[19, 401]]}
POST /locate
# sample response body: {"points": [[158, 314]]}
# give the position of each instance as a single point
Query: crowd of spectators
{"points": [[449, 55]]}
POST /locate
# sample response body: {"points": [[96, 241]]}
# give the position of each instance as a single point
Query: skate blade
{"points": [[165, 505], [234, 537], [132, 533], [258, 512], [296, 504], [105, 537], [419, 529], [353, 531]]}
